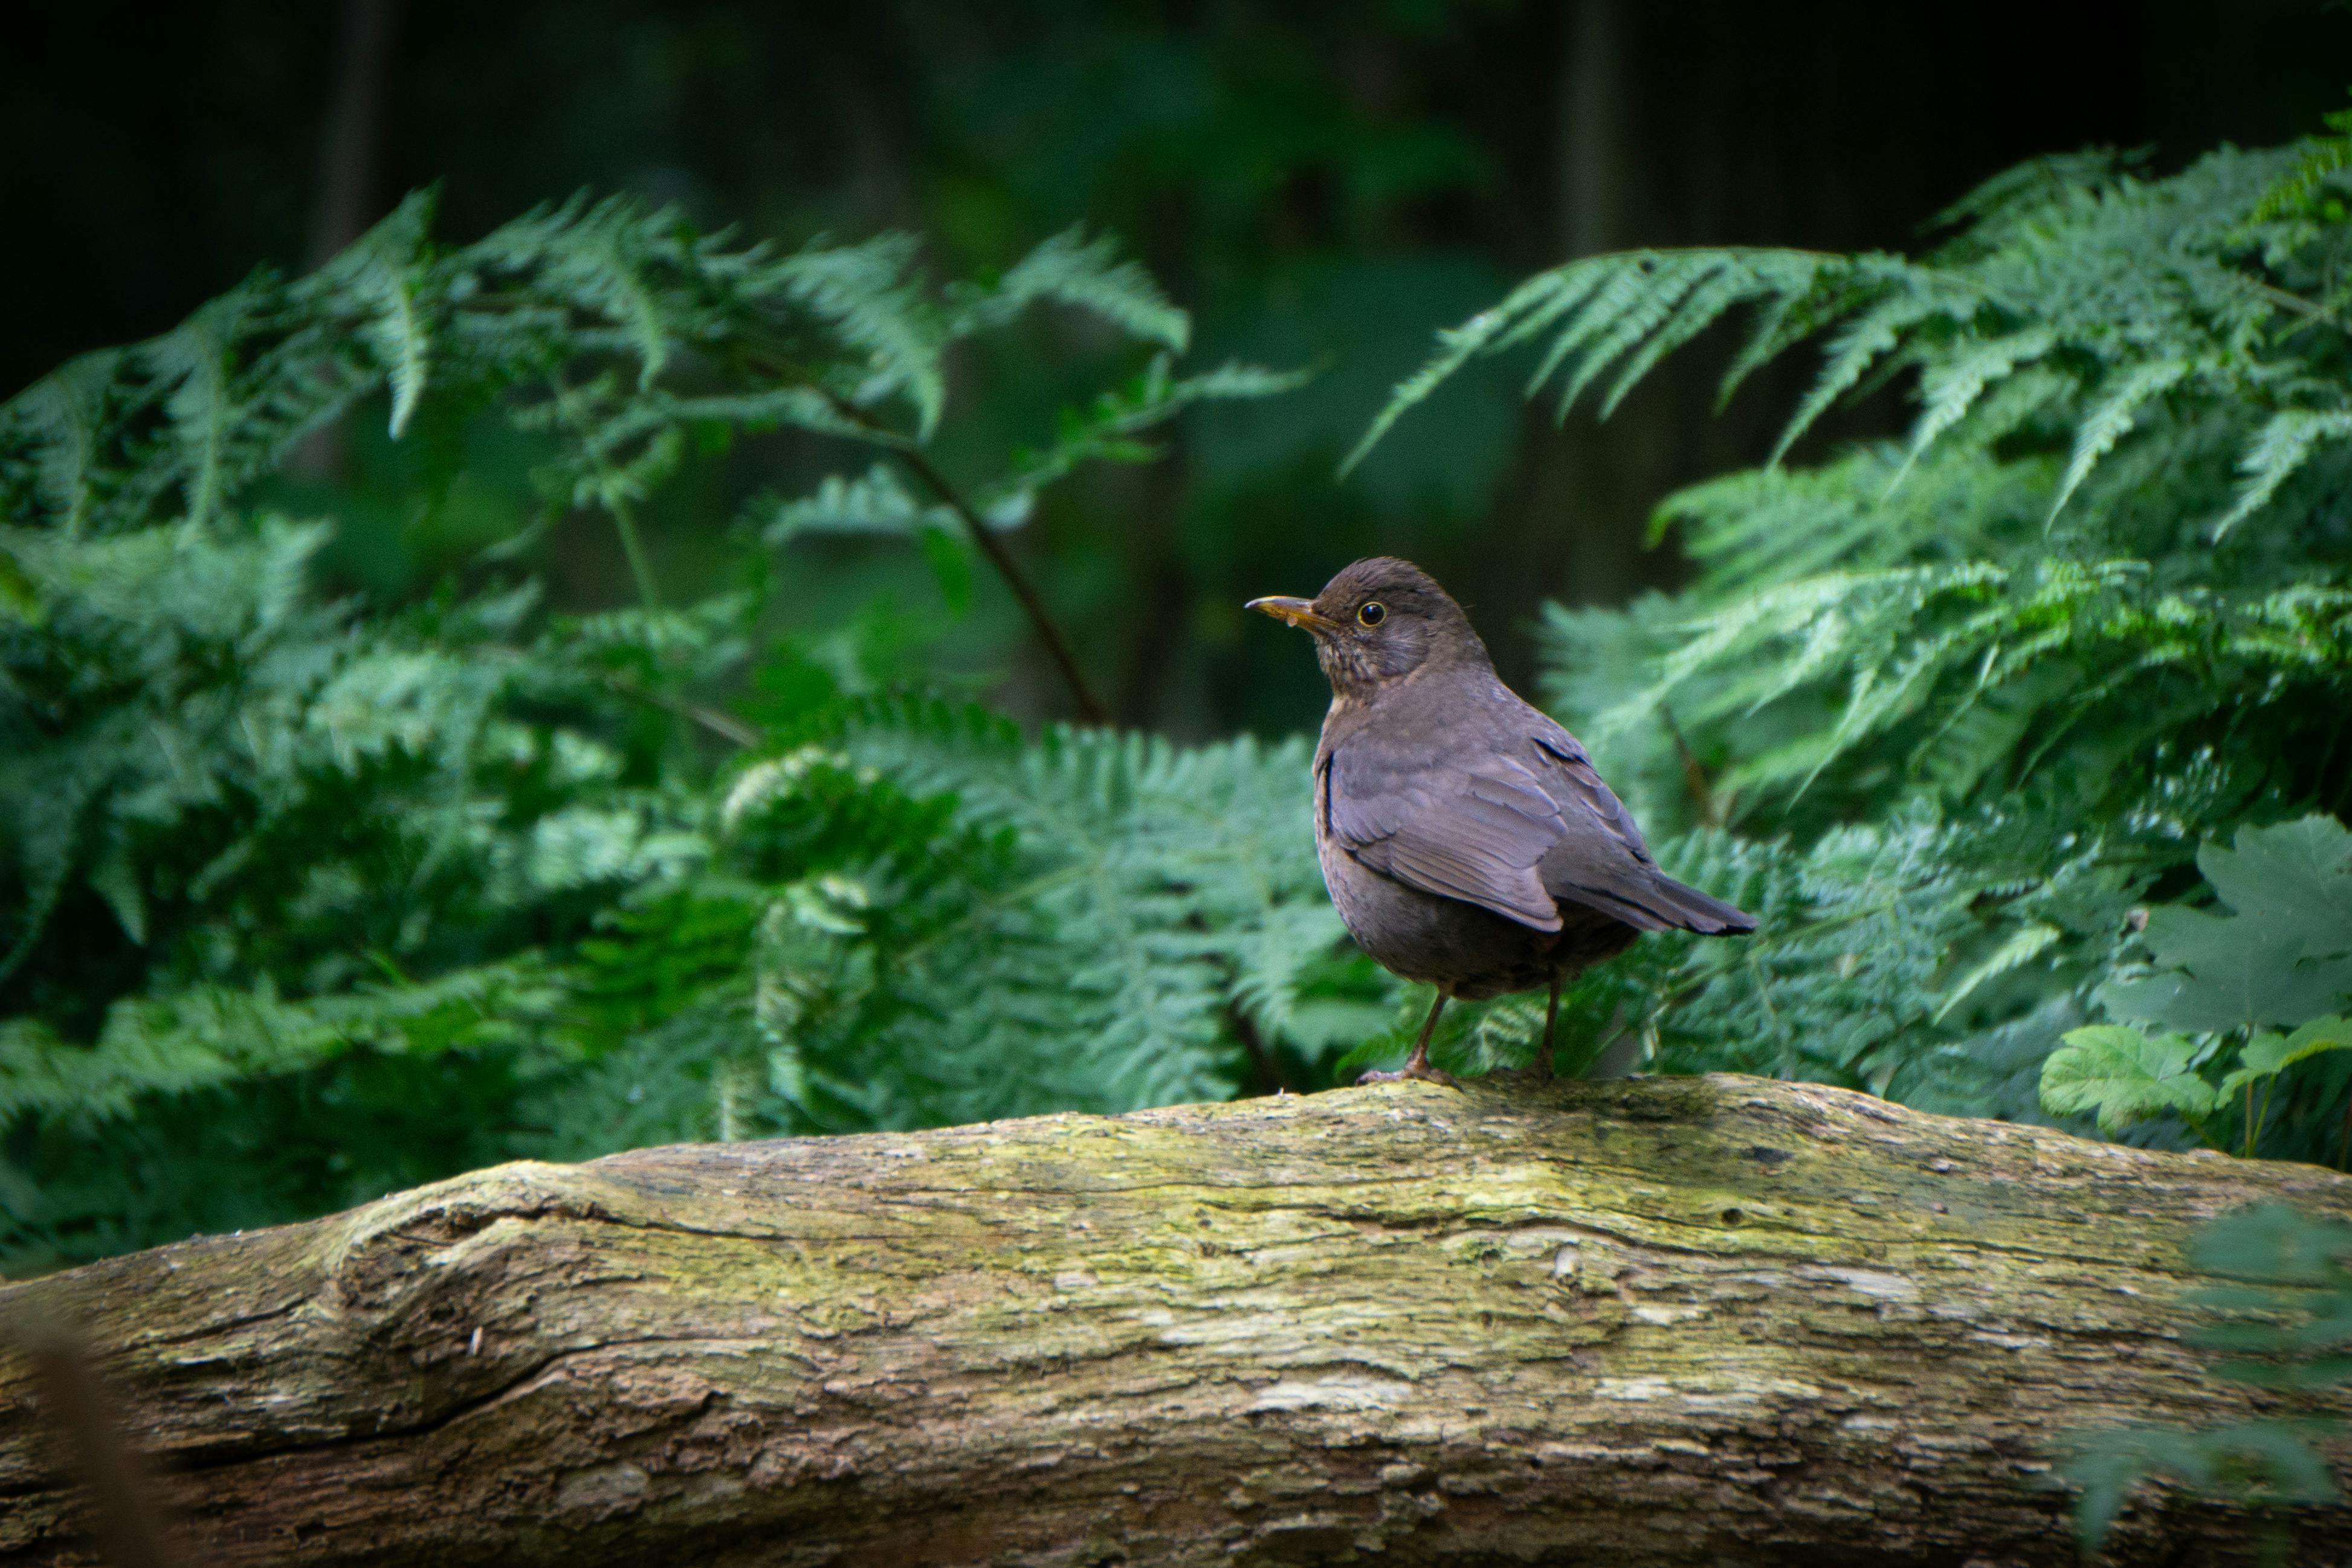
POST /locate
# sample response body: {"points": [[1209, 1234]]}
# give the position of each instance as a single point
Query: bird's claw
{"points": [[1422, 1070]]}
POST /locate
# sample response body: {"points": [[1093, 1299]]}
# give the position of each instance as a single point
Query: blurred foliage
{"points": [[305, 900], [2285, 1321], [360, 825], [2250, 994], [1946, 711], [1320, 183]]}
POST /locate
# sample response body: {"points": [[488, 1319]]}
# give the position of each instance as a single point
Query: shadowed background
{"points": [[1321, 183]]}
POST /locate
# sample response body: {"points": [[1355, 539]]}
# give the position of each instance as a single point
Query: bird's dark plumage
{"points": [[1465, 836]]}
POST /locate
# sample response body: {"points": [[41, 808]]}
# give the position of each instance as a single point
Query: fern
{"points": [[1088, 275], [2323, 159], [1991, 684], [319, 879]]}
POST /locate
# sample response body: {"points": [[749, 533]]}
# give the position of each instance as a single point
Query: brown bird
{"points": [[1465, 836]]}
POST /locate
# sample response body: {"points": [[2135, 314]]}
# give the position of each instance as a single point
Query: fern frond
{"points": [[2038, 191], [1108, 430], [1951, 387], [191, 366], [2324, 157], [1851, 353], [385, 272], [873, 297], [2111, 419], [875, 503], [62, 420], [1529, 307], [1086, 275], [211, 1035], [2282, 447]]}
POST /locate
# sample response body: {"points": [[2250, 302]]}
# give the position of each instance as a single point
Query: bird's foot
{"points": [[1421, 1069]]}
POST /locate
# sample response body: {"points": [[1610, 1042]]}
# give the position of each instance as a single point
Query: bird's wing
{"points": [[1475, 835], [1520, 831], [1601, 861], [1569, 779]]}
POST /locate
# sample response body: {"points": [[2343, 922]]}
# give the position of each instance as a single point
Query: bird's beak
{"points": [[1299, 612]]}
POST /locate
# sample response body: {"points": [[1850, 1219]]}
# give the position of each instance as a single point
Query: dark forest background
{"points": [[1321, 183]]}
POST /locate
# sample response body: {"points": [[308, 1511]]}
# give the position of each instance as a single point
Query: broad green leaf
{"points": [[2270, 1053], [2299, 872], [2125, 1077], [2281, 956]]}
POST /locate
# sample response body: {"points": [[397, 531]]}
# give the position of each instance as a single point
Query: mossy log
{"points": [[1660, 1321]]}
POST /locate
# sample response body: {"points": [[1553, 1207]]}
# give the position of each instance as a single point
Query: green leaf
{"points": [[1107, 431], [2298, 872], [2023, 946], [1952, 387], [874, 299], [2259, 1461], [1851, 352], [19, 598], [2270, 1053], [192, 362], [2125, 1077], [116, 879], [2283, 953], [62, 416], [1541, 296]]}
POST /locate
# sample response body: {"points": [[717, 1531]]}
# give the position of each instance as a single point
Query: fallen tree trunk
{"points": [[1664, 1320]]}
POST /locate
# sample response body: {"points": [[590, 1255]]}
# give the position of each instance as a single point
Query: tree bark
{"points": [[1661, 1320]]}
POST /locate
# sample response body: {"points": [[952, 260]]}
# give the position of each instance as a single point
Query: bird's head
{"points": [[1379, 620]]}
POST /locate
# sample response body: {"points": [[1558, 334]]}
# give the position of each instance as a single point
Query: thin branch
{"points": [[616, 504], [1090, 707], [1694, 780], [625, 521], [725, 725], [2289, 301]]}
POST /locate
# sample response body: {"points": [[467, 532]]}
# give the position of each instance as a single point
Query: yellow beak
{"points": [[1299, 612]]}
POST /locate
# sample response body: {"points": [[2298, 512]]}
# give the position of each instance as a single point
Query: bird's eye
{"points": [[1372, 613]]}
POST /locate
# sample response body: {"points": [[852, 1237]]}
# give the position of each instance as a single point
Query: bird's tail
{"points": [[1686, 908], [1656, 902]]}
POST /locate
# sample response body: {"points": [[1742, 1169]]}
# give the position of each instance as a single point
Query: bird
{"points": [[1466, 837]]}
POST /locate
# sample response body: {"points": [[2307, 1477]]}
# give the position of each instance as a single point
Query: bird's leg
{"points": [[1551, 1017], [1417, 1064]]}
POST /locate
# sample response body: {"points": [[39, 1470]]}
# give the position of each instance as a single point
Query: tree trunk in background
{"points": [[1665, 1321], [348, 202], [1593, 484], [1582, 490]]}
